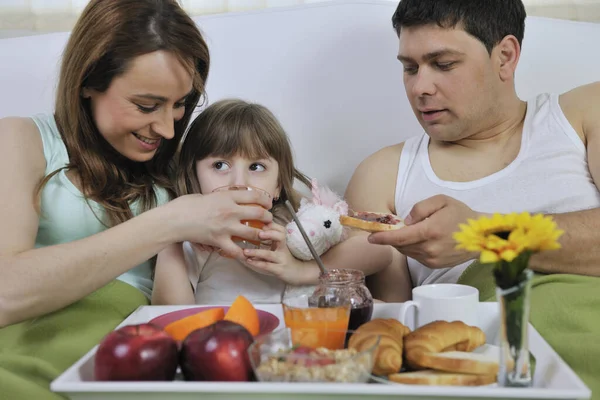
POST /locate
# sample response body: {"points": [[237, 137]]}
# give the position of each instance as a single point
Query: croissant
{"points": [[388, 355], [439, 337]]}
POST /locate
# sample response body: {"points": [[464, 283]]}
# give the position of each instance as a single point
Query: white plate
{"points": [[383, 380], [553, 378]]}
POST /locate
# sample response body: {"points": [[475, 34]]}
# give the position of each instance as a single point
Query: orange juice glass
{"points": [[248, 244], [317, 326]]}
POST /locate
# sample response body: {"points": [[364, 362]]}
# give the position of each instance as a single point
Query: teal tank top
{"points": [[66, 215]]}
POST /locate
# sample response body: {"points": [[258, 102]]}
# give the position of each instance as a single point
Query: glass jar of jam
{"points": [[348, 284]]}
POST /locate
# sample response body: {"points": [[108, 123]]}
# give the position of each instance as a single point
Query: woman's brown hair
{"points": [[107, 36], [235, 127]]}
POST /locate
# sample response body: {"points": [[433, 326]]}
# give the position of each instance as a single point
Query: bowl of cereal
{"points": [[280, 357]]}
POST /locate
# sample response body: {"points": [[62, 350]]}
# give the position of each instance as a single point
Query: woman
{"points": [[132, 74], [86, 189]]}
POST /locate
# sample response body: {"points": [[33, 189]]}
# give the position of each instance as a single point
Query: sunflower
{"points": [[504, 237]]}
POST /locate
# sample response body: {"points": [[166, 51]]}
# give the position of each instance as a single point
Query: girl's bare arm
{"points": [[171, 282]]}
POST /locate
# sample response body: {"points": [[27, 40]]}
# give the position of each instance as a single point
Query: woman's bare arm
{"points": [[37, 281], [34, 282]]}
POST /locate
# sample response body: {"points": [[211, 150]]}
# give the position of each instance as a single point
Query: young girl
{"points": [[233, 142], [237, 143]]}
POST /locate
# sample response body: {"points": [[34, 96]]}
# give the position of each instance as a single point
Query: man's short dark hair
{"points": [[489, 21]]}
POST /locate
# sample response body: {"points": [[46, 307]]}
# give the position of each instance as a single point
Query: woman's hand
{"points": [[278, 261], [213, 219]]}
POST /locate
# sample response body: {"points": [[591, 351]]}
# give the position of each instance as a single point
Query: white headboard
{"points": [[327, 70]]}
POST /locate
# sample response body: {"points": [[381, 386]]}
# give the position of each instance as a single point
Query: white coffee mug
{"points": [[442, 302]]}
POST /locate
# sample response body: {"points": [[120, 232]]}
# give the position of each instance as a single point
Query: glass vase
{"points": [[514, 302]]}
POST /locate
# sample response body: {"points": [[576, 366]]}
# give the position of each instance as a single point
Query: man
{"points": [[484, 150]]}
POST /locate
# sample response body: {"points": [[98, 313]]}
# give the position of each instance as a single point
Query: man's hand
{"points": [[278, 261], [428, 235]]}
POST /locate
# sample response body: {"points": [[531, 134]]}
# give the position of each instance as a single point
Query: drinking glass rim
{"points": [[347, 306], [241, 187], [342, 277]]}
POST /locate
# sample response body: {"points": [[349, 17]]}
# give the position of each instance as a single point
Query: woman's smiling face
{"points": [[140, 107]]}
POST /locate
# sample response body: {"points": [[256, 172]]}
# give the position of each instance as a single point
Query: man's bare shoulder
{"points": [[580, 105], [386, 156], [373, 183]]}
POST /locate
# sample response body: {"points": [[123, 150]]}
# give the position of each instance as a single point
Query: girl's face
{"points": [[216, 172]]}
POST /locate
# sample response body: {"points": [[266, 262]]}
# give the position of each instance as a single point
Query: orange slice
{"points": [[244, 313], [183, 327]]}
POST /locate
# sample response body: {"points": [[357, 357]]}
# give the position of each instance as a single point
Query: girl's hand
{"points": [[213, 219], [278, 261]]}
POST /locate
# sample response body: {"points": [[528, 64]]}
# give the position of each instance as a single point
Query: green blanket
{"points": [[35, 352], [565, 310]]}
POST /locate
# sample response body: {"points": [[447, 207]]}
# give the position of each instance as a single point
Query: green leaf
{"points": [[508, 274]]}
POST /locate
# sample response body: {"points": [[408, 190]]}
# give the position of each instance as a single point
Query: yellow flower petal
{"points": [[525, 232], [508, 255], [487, 256]]}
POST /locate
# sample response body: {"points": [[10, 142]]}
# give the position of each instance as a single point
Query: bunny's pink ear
{"points": [[316, 199], [341, 207], [303, 206], [328, 197]]}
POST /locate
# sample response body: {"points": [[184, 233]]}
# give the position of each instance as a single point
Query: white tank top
{"points": [[219, 280], [549, 175]]}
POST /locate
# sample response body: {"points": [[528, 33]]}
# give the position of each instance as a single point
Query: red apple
{"points": [[141, 352], [218, 352]]}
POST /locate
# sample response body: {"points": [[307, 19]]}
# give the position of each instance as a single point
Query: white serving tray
{"points": [[553, 378]]}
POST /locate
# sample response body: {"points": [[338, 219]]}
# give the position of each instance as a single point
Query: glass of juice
{"points": [[244, 243], [316, 327]]}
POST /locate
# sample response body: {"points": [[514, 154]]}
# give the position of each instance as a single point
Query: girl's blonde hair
{"points": [[107, 36], [235, 127]]}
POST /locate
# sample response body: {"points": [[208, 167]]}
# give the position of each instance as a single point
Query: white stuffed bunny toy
{"points": [[320, 218]]}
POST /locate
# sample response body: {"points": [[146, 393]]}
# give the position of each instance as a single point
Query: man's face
{"points": [[449, 80]]}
